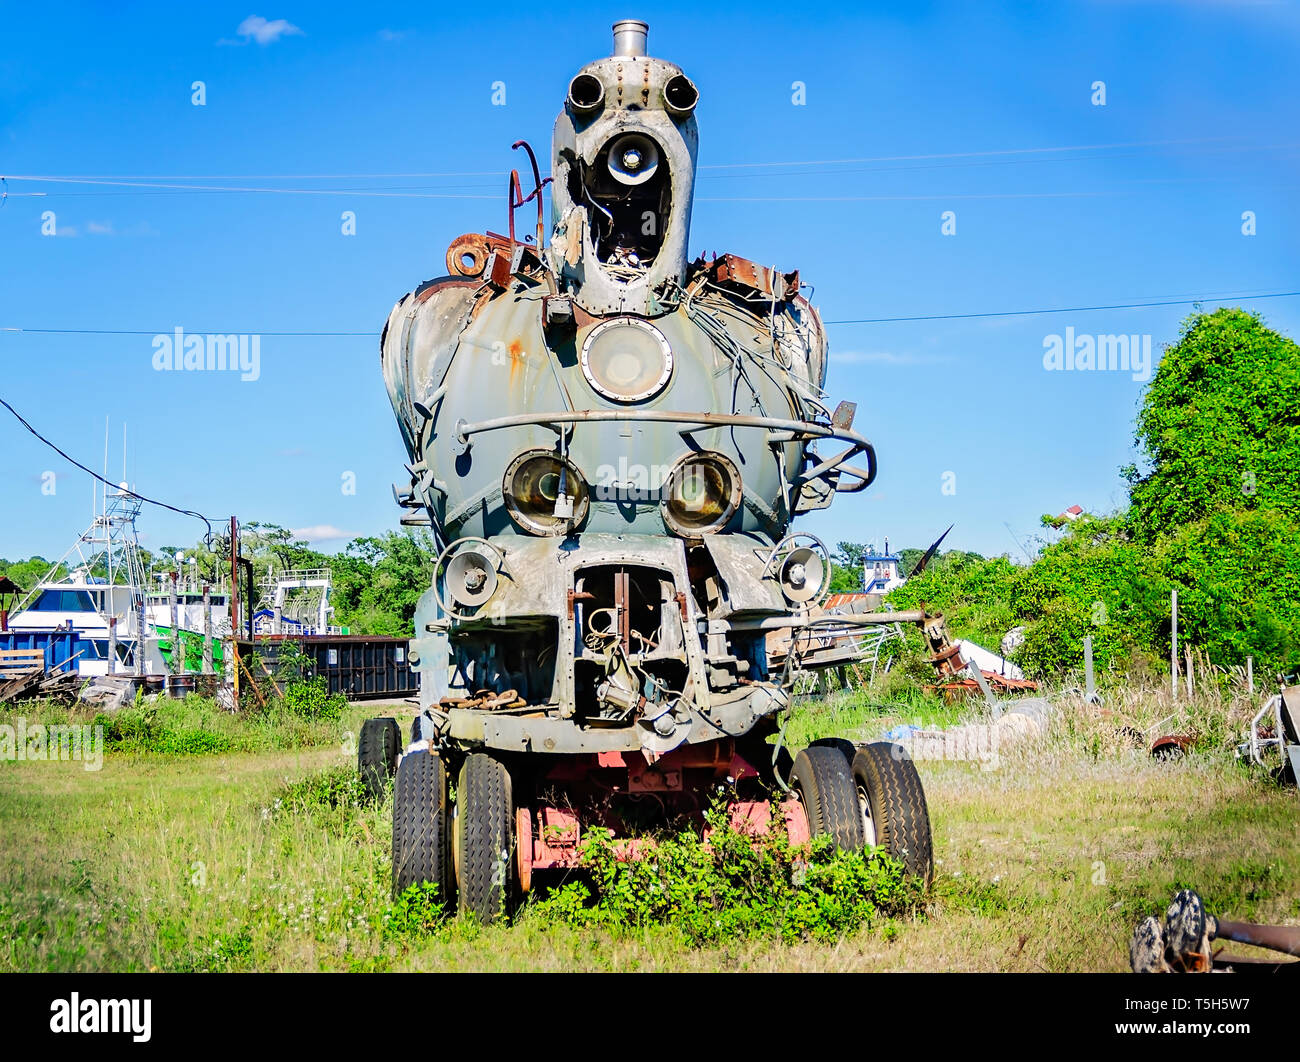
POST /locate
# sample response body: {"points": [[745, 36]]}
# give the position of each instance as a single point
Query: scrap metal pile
{"points": [[23, 676]]}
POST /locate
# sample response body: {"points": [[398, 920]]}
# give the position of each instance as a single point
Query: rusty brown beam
{"points": [[1285, 939]]}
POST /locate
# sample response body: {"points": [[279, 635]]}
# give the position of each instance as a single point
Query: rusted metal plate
{"points": [[732, 271]]}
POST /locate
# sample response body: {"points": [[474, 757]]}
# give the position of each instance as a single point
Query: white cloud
{"points": [[391, 35], [256, 28], [322, 533], [99, 228]]}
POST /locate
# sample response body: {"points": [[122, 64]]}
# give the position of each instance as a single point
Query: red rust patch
{"points": [[516, 351]]}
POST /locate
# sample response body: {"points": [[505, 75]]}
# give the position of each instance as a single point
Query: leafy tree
{"points": [[1238, 579], [976, 596], [1094, 581], [1219, 425], [1215, 515], [846, 566], [380, 580], [27, 573]]}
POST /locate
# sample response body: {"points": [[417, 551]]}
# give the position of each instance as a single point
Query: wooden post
{"points": [[142, 634], [1191, 681], [1173, 645], [1090, 677], [1250, 675], [207, 629], [233, 663], [112, 645], [178, 653]]}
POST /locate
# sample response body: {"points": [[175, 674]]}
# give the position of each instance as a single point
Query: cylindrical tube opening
{"points": [[680, 95], [630, 37], [586, 93]]}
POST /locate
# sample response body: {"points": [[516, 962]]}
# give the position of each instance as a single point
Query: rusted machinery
{"points": [[839, 640], [1273, 738], [1183, 942], [609, 441]]}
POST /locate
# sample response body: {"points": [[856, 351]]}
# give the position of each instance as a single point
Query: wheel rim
{"points": [[524, 848], [868, 822], [455, 841]]}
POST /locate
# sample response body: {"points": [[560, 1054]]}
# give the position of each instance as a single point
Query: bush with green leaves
{"points": [[732, 885], [335, 789], [311, 699], [1215, 515], [306, 695]]}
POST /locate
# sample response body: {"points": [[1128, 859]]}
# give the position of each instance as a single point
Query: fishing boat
{"points": [[99, 601]]}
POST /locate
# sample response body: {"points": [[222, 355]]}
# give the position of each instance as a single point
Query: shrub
{"points": [[732, 885], [311, 699]]}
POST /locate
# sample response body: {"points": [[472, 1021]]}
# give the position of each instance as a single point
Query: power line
{"points": [[370, 334], [107, 482], [271, 191], [942, 156], [973, 154], [1055, 309], [168, 331], [892, 198]]}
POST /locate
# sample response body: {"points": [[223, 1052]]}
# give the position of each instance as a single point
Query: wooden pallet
{"points": [[14, 662], [23, 676]]}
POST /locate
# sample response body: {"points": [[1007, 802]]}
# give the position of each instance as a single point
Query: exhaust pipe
{"points": [[630, 37]]}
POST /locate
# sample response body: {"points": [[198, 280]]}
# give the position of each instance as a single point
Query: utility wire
{"points": [[107, 482], [168, 331], [273, 191], [999, 153], [1184, 301], [973, 154], [1055, 309]]}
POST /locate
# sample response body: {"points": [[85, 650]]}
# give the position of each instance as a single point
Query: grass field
{"points": [[229, 860]]}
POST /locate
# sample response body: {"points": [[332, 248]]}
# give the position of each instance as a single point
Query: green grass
{"points": [[268, 859], [197, 725], [866, 715]]}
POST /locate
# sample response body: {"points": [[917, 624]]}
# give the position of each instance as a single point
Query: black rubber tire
{"points": [[377, 751], [885, 777], [421, 825], [822, 779], [485, 814], [846, 747]]}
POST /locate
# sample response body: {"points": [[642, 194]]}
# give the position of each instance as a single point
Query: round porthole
{"points": [[627, 359], [701, 494], [544, 493]]}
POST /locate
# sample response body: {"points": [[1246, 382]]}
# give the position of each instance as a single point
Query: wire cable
{"points": [[91, 472], [1185, 301], [1233, 142], [1055, 309], [168, 331]]}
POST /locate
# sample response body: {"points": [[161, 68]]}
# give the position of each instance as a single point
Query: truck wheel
{"points": [[892, 806], [822, 779], [846, 747], [377, 751], [421, 850], [485, 861]]}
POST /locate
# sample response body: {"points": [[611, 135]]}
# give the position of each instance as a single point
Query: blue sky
{"points": [[942, 107]]}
